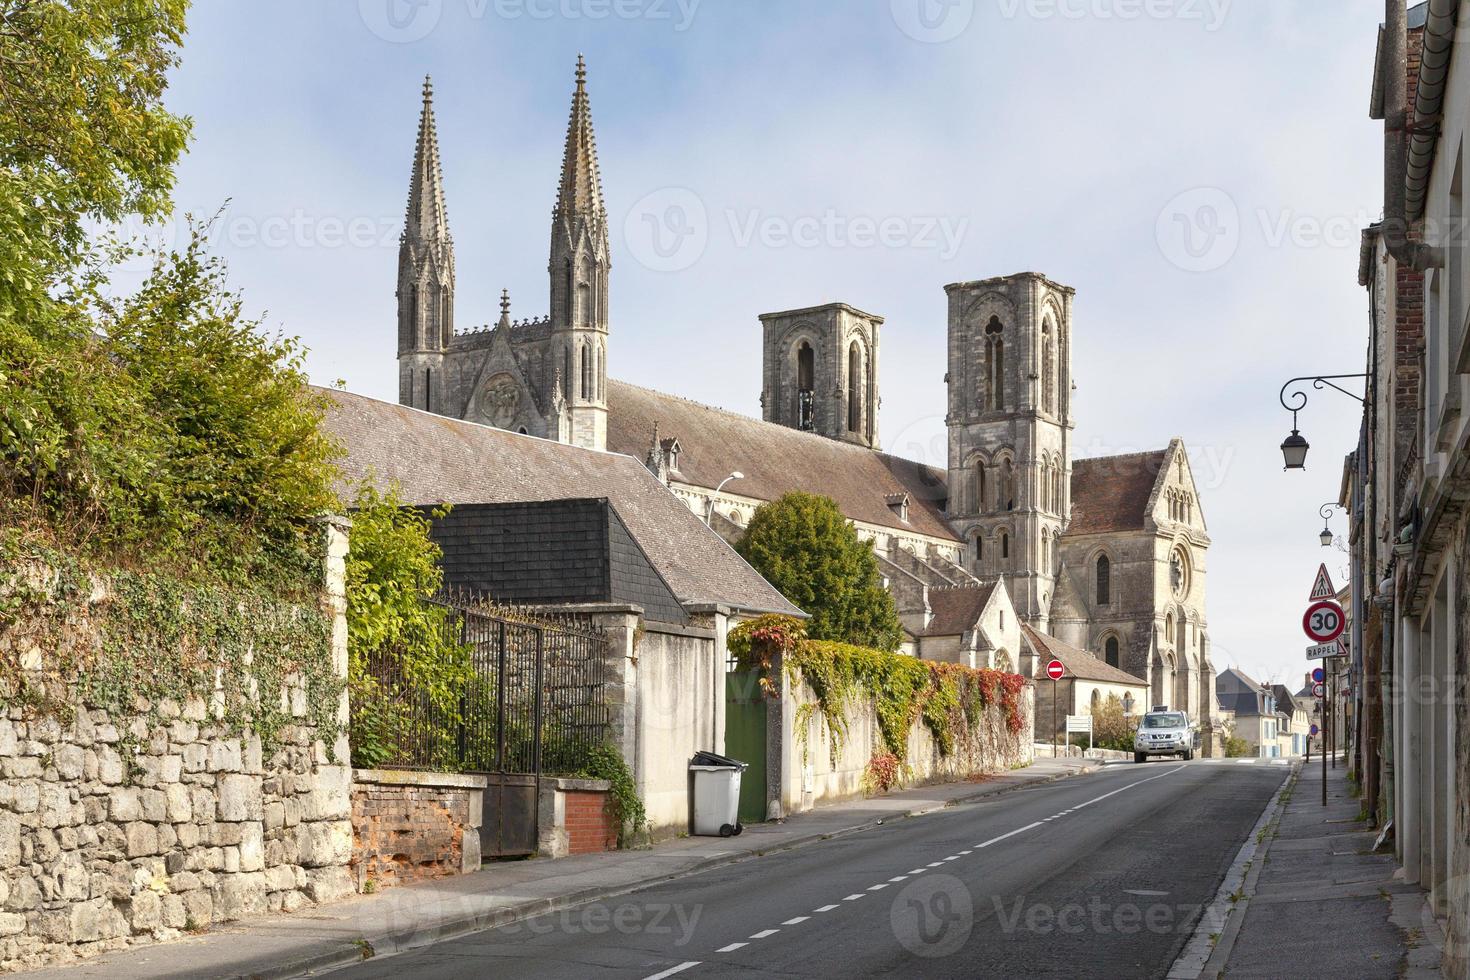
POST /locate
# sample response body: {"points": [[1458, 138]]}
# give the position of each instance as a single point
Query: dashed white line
{"points": [[825, 908], [796, 921], [1018, 830], [853, 898], [934, 864], [672, 970], [878, 887], [731, 948], [764, 933], [1122, 789], [898, 879], [953, 857], [918, 871]]}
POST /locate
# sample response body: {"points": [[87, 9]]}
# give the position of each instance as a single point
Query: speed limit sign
{"points": [[1324, 621]]}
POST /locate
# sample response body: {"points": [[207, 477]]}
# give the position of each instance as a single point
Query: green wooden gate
{"points": [[745, 739]]}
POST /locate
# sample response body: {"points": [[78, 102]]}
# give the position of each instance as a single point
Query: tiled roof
{"points": [[1079, 663], [956, 610], [1111, 493], [776, 459], [435, 459]]}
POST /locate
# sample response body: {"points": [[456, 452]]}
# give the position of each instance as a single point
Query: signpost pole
{"points": [[1326, 735], [1056, 748]]}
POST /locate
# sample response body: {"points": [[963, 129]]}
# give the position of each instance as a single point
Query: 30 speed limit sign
{"points": [[1324, 621]]}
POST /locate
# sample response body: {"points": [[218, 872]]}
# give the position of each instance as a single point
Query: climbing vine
{"points": [[242, 657], [623, 805], [951, 699]]}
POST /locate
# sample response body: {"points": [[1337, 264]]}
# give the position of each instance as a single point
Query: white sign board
{"points": [[1079, 724], [1322, 650]]}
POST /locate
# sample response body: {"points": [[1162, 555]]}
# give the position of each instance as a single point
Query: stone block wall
{"points": [[114, 830], [411, 825]]}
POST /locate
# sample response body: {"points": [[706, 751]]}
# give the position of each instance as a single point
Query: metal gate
{"points": [[534, 703], [745, 739]]}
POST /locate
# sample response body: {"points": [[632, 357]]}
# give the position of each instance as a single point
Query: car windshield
{"points": [[1163, 721]]}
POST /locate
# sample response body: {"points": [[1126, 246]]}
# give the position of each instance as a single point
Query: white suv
{"points": [[1164, 732]]}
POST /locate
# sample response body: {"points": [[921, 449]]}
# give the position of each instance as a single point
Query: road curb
{"points": [[454, 927], [1223, 918]]}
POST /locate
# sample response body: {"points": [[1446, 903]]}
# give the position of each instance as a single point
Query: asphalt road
{"points": [[1101, 876]]}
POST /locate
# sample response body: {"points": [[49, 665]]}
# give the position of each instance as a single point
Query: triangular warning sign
{"points": [[1322, 587]]}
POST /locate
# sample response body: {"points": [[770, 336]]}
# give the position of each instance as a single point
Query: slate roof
{"points": [[1079, 663], [1242, 703], [956, 610], [776, 459], [1111, 493], [435, 459]]}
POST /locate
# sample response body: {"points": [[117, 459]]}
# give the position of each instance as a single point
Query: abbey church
{"points": [[1012, 555]]}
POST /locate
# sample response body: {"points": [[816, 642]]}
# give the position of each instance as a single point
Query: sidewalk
{"points": [[330, 936], [1316, 902]]}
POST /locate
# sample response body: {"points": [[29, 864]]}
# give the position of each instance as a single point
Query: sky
{"points": [[1198, 170]]}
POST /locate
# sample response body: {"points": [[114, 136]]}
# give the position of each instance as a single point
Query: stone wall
{"points": [[806, 774], [411, 825], [118, 828]]}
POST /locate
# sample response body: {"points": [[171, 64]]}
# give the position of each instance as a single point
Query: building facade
{"points": [[1106, 554]]}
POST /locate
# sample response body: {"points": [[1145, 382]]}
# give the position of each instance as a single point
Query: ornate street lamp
{"points": [[1326, 511], [1294, 447]]}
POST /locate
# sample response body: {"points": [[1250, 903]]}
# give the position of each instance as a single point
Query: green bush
{"points": [[804, 547]]}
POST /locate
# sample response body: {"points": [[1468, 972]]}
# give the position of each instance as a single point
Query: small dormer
{"points": [[899, 504], [672, 449]]}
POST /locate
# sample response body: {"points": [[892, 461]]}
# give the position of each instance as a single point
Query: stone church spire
{"points": [[425, 273], [578, 271]]}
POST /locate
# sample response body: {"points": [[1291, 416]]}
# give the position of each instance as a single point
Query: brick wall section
{"points": [[408, 826], [589, 828]]}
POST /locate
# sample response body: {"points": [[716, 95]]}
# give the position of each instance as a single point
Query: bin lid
{"points": [[713, 760]]}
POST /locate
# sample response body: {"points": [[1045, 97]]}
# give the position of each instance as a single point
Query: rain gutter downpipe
{"points": [[1409, 144]]}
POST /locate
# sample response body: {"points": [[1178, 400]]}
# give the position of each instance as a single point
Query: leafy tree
{"points": [[403, 651], [804, 547], [83, 131], [1111, 728]]}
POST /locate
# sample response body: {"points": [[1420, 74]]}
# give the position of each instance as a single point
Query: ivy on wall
{"points": [[254, 658], [951, 699]]}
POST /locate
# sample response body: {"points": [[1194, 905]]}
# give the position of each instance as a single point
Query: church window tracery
{"points": [[854, 388]]}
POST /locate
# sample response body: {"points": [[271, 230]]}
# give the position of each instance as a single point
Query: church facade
{"points": [[1104, 556]]}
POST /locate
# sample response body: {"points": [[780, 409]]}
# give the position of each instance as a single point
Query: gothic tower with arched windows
{"points": [[820, 372], [425, 274], [1010, 423], [578, 268]]}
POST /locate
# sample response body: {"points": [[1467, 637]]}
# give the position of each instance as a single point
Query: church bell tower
{"points": [[1010, 425]]}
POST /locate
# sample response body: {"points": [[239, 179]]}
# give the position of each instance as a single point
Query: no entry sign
{"points": [[1056, 670], [1324, 621]]}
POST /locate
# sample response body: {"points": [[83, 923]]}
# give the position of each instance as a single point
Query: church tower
{"points": [[578, 269], [1010, 425], [820, 371], [425, 276]]}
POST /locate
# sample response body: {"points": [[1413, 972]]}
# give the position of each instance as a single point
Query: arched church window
{"points": [[566, 372], [1005, 546], [1104, 580], [854, 388], [1048, 372], [428, 389], [980, 487], [979, 551], [995, 364], [1110, 651], [806, 369], [585, 367], [1007, 486], [413, 314]]}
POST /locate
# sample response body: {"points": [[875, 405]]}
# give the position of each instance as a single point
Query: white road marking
{"points": [[964, 852], [878, 887], [1019, 830], [953, 857], [731, 948], [673, 970], [898, 879], [934, 864], [796, 921], [1245, 762], [764, 933], [1280, 762], [825, 908], [918, 871], [1124, 789], [852, 898]]}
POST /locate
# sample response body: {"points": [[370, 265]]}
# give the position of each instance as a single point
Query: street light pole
{"points": [[710, 513]]}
